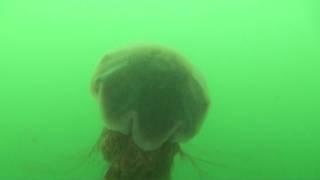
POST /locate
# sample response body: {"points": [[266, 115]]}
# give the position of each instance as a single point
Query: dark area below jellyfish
{"points": [[151, 100]]}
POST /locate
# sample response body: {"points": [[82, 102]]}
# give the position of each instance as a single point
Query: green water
{"points": [[261, 60]]}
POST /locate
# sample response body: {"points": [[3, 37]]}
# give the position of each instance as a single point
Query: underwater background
{"points": [[261, 61]]}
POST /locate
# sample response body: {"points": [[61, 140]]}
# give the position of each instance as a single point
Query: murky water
{"points": [[261, 60]]}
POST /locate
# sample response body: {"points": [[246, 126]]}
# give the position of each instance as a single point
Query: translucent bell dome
{"points": [[150, 93]]}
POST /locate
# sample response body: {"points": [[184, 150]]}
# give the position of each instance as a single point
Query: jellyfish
{"points": [[151, 100]]}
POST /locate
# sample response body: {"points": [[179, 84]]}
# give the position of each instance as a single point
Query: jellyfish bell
{"points": [[152, 94]]}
